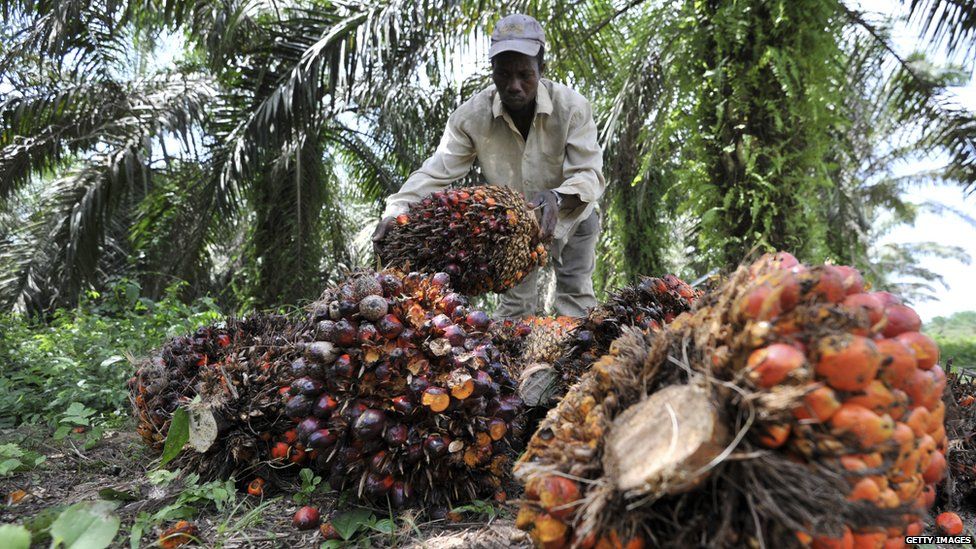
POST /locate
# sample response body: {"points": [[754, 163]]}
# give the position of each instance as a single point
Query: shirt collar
{"points": [[543, 102]]}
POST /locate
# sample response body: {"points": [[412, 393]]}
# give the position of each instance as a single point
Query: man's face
{"points": [[516, 77]]}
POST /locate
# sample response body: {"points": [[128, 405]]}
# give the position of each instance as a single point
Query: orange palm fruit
{"points": [[867, 304], [870, 540], [867, 427], [918, 420], [897, 361], [864, 490], [949, 523], [844, 541], [558, 495], [771, 365], [935, 471], [774, 436], [926, 351], [819, 404], [875, 397], [900, 319], [848, 362]]}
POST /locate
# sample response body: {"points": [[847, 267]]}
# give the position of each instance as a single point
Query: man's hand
{"points": [[546, 200], [381, 229]]}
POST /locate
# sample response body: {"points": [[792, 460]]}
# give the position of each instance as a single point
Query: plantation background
{"points": [[166, 162]]}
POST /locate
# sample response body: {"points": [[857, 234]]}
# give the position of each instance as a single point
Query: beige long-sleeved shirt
{"points": [[561, 152]]}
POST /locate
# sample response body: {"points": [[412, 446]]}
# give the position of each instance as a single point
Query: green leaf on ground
{"points": [[348, 523], [179, 433], [14, 536], [86, 525]]}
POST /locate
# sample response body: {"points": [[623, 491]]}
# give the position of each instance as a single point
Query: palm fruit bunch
{"points": [[791, 405], [648, 304], [533, 345], [485, 237], [226, 375], [401, 395], [959, 488]]}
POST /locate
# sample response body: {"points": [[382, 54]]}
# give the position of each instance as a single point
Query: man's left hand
{"points": [[546, 200]]}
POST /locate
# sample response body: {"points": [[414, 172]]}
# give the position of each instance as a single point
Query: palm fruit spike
{"points": [[833, 416], [415, 405], [233, 368], [485, 237]]}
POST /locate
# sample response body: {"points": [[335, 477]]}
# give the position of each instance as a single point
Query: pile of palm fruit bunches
{"points": [[790, 407], [787, 403]]}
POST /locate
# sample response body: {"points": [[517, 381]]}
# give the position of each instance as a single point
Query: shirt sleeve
{"points": [[451, 161], [583, 164]]}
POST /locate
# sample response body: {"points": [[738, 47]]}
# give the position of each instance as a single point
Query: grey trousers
{"points": [[573, 264]]}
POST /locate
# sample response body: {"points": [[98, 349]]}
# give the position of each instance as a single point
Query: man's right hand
{"points": [[381, 229]]}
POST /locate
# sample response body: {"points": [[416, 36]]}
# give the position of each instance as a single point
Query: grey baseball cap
{"points": [[519, 33]]}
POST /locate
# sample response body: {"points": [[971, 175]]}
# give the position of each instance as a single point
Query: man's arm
{"points": [[583, 180], [451, 161], [583, 165]]}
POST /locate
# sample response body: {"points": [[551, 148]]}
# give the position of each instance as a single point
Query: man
{"points": [[535, 136]]}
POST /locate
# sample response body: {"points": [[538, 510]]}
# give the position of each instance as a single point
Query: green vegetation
{"points": [[956, 336], [71, 370]]}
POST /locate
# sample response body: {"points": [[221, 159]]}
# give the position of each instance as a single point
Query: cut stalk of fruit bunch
{"points": [[785, 406]]}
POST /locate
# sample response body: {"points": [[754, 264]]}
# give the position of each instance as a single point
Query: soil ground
{"points": [[120, 463]]}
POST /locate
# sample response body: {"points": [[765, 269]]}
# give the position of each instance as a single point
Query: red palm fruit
{"points": [[324, 407], [321, 439], [864, 490], [847, 362], [297, 455], [290, 436], [329, 531], [870, 540], [928, 496], [967, 401], [256, 487], [868, 304], [396, 435], [921, 388], [378, 485], [307, 518], [436, 446], [771, 365], [308, 426], [549, 532], [345, 333], [479, 320], [298, 406], [934, 473], [774, 436], [875, 397], [897, 361], [558, 495], [280, 451], [344, 367], [367, 333], [181, 533], [819, 404], [402, 404], [949, 524], [901, 319], [389, 326], [926, 351], [370, 424], [869, 429], [829, 284], [851, 279], [844, 541]]}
